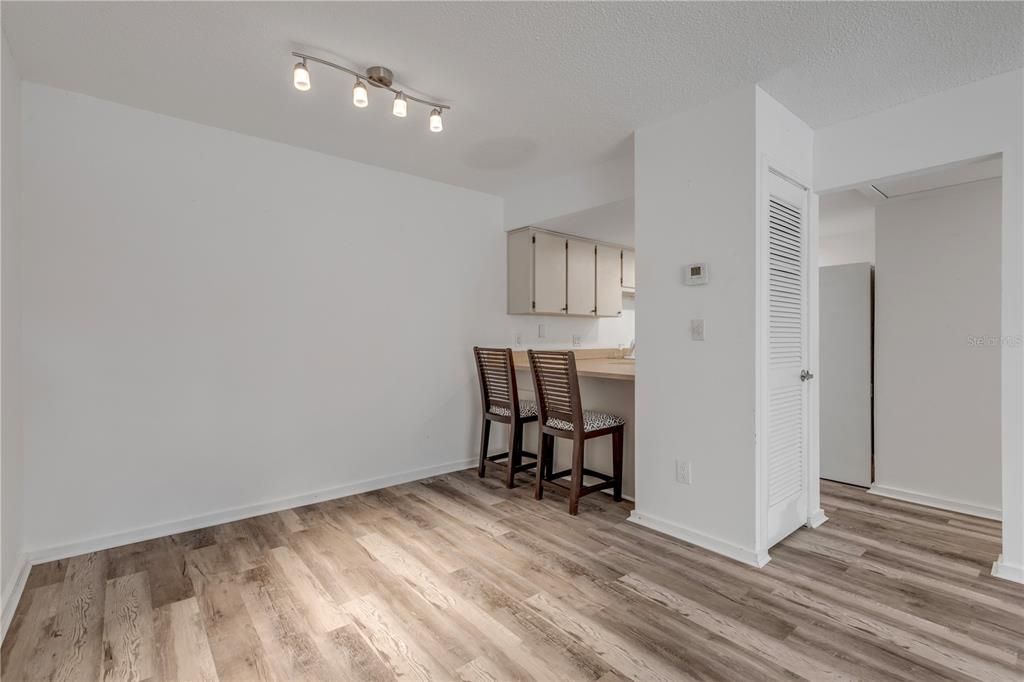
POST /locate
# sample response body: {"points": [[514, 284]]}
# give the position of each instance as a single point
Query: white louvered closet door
{"points": [[787, 413]]}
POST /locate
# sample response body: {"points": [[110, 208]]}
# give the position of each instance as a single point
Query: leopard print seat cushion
{"points": [[527, 408], [592, 421]]}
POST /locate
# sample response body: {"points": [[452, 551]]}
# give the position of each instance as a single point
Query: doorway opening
{"points": [[910, 337]]}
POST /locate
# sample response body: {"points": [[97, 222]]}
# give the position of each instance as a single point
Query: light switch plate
{"points": [[540, 331], [697, 330], [576, 340]]}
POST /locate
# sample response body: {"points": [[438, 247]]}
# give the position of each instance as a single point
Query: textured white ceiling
{"points": [[538, 89]]}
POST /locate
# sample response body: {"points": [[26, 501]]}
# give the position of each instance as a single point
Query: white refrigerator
{"points": [[846, 300]]}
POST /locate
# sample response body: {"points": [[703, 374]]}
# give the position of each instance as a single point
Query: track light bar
{"points": [[377, 76]]}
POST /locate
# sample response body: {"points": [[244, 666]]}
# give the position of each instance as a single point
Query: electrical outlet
{"points": [[684, 472], [576, 340], [697, 330], [540, 331], [519, 339]]}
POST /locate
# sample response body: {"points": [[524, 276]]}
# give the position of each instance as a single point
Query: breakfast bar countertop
{"points": [[599, 363]]}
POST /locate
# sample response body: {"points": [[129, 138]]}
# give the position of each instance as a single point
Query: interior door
{"points": [[787, 400], [548, 273], [609, 281], [581, 285]]}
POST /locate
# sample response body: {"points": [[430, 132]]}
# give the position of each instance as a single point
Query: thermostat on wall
{"points": [[695, 274]]}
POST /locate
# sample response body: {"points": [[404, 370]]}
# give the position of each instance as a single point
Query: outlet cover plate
{"points": [[684, 472]]}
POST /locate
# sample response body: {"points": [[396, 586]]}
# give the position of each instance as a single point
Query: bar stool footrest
{"points": [[586, 472], [502, 456], [585, 490]]}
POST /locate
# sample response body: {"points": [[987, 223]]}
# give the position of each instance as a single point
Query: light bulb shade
{"points": [[401, 107], [436, 125], [360, 98], [300, 77]]}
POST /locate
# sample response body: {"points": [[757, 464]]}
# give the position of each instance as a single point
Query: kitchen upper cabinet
{"points": [[554, 274], [608, 276], [580, 292], [536, 273], [628, 270], [549, 273]]}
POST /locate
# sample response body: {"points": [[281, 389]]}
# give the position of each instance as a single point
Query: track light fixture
{"points": [[300, 76], [401, 106], [378, 77], [360, 98]]}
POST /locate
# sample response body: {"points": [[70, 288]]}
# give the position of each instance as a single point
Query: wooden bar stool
{"points": [[500, 402], [562, 416]]}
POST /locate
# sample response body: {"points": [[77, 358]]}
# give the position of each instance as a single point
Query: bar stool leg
{"points": [[576, 484], [542, 462], [515, 440], [617, 463], [485, 435]]}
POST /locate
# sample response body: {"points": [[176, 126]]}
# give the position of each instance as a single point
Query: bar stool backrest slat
{"points": [[497, 379], [558, 386]]}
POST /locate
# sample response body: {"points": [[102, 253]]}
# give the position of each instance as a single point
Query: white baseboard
{"points": [[741, 554], [1001, 569], [937, 502], [816, 518], [96, 544], [12, 593]]}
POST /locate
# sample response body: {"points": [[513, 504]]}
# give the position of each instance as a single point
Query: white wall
{"points": [[213, 321], [695, 400], [969, 122], [523, 331], [11, 457], [555, 197], [846, 247], [847, 229], [611, 222], [937, 432]]}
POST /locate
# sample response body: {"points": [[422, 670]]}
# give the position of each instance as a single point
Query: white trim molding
{"points": [[1001, 569], [816, 518], [12, 593], [96, 544], [741, 554], [937, 502]]}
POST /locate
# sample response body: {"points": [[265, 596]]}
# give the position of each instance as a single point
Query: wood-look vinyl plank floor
{"points": [[457, 578]]}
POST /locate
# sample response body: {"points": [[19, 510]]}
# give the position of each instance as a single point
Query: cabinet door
{"points": [[581, 285], [520, 272], [548, 273], [628, 269], [609, 281]]}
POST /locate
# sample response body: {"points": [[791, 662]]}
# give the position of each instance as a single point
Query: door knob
{"points": [[805, 375]]}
